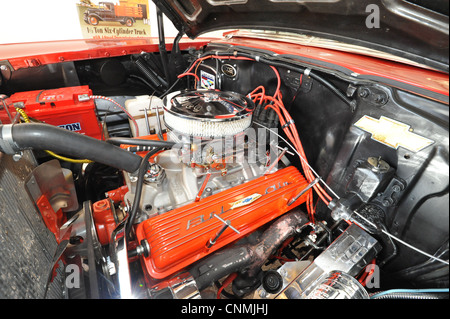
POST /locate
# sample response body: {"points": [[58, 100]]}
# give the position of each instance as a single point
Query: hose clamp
{"points": [[7, 144]]}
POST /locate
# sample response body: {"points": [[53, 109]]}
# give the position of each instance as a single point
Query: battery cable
{"points": [[63, 158]]}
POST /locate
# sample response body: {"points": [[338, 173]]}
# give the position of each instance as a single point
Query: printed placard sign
{"points": [[207, 80], [114, 19]]}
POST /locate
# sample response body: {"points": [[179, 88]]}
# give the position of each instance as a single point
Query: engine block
{"points": [[182, 236], [175, 184]]}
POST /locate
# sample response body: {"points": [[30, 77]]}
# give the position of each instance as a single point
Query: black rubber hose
{"points": [[220, 264], [139, 185], [335, 90], [313, 75], [156, 81], [175, 61], [162, 44], [248, 258], [140, 142], [174, 84], [38, 136]]}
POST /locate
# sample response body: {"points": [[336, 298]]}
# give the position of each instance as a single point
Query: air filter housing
{"points": [[207, 113]]}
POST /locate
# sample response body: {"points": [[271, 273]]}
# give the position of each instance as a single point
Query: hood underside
{"points": [[416, 30]]}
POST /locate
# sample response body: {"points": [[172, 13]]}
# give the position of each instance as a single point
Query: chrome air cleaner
{"points": [[207, 113]]}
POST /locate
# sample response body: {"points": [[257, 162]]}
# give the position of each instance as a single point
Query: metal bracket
{"points": [[227, 224]]}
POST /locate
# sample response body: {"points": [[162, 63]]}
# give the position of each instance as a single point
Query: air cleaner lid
{"points": [[208, 113]]}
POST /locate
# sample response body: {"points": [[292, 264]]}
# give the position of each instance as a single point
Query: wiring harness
{"points": [[274, 102]]}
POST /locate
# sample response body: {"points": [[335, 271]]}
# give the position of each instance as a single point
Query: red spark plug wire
{"points": [[275, 102]]}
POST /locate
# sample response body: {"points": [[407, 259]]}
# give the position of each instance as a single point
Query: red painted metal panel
{"points": [[25, 55], [359, 64]]}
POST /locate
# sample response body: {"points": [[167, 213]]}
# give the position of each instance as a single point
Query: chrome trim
{"points": [[7, 142], [247, 112], [349, 254], [418, 14], [313, 41], [184, 287], [119, 256]]}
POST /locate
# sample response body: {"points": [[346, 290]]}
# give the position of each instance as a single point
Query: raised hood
{"points": [[416, 30]]}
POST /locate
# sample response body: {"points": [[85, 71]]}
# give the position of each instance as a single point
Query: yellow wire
{"points": [[24, 115], [70, 160]]}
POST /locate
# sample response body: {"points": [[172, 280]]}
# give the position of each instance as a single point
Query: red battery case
{"points": [[70, 108]]}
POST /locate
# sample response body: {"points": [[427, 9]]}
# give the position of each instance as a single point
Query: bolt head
{"points": [[262, 293], [16, 157]]}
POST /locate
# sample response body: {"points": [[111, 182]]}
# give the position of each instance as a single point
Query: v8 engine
{"points": [[247, 176], [215, 188]]}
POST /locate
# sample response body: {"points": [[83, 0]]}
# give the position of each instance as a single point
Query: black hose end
{"points": [[40, 136]]}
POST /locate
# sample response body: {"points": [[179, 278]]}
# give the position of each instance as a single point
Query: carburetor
{"points": [[215, 155]]}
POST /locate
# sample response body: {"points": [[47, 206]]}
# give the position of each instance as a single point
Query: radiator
{"points": [[26, 245]]}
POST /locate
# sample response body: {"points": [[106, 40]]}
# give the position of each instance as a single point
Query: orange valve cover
{"points": [[179, 237]]}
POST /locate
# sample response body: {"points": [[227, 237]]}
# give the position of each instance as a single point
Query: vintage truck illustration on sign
{"points": [[126, 13]]}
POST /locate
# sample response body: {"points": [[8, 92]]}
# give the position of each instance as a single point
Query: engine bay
{"points": [[230, 172]]}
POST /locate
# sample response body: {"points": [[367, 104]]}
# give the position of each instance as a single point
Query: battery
{"points": [[70, 108]]}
